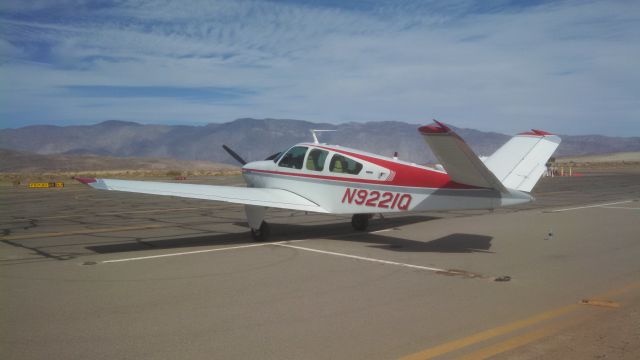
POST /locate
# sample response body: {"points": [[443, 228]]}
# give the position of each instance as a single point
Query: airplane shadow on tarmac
{"points": [[453, 243], [342, 231]]}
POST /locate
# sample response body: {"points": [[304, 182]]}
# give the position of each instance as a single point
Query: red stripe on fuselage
{"points": [[405, 175], [432, 185]]}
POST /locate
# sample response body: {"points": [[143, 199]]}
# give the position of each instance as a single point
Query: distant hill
{"points": [[22, 162], [256, 139]]}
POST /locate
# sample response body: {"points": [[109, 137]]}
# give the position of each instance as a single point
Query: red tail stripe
{"points": [[436, 128], [535, 132]]}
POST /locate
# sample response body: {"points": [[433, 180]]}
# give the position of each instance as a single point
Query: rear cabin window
{"points": [[342, 164], [294, 158], [316, 158]]}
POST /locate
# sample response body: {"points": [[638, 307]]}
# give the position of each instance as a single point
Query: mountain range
{"points": [[13, 161], [256, 139]]}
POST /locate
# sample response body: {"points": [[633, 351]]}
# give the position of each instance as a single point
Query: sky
{"points": [[569, 67]]}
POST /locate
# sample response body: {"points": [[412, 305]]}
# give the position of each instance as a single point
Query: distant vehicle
{"points": [[333, 179]]}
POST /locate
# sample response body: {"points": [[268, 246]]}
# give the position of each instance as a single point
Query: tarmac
{"points": [[104, 275]]}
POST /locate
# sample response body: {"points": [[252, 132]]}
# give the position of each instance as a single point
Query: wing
{"points": [[462, 164], [274, 198]]}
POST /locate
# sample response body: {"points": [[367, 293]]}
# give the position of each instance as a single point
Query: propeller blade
{"points": [[234, 155]]}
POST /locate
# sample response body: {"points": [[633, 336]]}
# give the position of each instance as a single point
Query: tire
{"points": [[262, 234], [360, 222]]}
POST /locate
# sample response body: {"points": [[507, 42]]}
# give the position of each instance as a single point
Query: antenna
{"points": [[315, 136]]}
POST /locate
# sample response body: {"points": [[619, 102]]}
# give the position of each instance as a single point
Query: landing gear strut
{"points": [[261, 234], [360, 221]]}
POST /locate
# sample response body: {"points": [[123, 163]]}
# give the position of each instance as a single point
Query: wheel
{"points": [[261, 234], [360, 221]]}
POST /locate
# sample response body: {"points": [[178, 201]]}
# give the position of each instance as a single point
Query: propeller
{"points": [[234, 154]]}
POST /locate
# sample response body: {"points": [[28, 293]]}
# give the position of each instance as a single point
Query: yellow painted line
{"points": [[507, 328], [491, 333], [619, 291], [521, 340], [85, 231], [602, 303]]}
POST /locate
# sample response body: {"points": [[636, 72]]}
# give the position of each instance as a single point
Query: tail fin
{"points": [[462, 164], [520, 162]]}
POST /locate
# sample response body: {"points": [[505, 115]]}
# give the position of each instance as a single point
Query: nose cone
{"points": [[259, 165], [254, 172]]}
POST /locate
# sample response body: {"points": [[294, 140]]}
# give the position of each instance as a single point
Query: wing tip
{"points": [[436, 128], [85, 181], [535, 132]]}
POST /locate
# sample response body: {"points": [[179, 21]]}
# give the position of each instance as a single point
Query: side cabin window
{"points": [[316, 159], [294, 158], [342, 164]]}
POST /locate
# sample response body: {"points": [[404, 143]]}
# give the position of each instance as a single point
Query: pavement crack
{"points": [[37, 251]]}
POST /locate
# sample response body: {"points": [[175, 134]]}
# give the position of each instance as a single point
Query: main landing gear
{"points": [[360, 221], [260, 229], [261, 234], [255, 218]]}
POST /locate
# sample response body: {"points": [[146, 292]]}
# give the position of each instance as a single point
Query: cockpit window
{"points": [[316, 158], [294, 157], [342, 164]]}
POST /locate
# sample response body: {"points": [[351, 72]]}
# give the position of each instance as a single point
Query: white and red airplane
{"points": [[334, 179]]}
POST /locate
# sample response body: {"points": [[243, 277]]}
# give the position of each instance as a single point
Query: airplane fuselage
{"points": [[369, 183]]}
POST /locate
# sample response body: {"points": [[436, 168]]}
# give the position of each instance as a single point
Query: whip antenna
{"points": [[315, 136]]}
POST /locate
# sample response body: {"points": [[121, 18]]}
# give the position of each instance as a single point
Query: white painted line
{"points": [[229, 248], [284, 244], [592, 206], [380, 231], [620, 207], [187, 253]]}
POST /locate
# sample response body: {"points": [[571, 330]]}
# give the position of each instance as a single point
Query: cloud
{"points": [[211, 94], [568, 67]]}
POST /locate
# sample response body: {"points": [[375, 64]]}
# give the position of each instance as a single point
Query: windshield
{"points": [[294, 157], [274, 157]]}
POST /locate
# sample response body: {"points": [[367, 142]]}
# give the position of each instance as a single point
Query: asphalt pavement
{"points": [[103, 275]]}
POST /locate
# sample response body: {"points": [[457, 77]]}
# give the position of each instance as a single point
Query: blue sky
{"points": [[569, 67]]}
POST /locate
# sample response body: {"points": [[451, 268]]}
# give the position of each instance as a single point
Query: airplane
{"points": [[321, 178]]}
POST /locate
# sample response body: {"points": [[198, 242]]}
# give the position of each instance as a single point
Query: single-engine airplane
{"points": [[333, 179]]}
